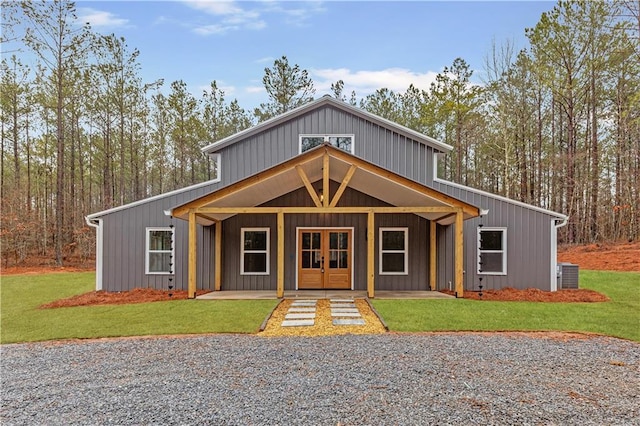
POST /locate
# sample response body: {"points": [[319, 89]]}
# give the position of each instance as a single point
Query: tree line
{"points": [[556, 125]]}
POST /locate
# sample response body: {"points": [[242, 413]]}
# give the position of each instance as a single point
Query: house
{"points": [[326, 196]]}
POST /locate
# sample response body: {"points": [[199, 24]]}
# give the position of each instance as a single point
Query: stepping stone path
{"points": [[345, 312], [302, 313]]}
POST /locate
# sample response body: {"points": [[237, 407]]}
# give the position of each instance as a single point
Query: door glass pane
{"points": [[393, 262], [333, 240], [315, 243], [333, 259], [393, 240], [306, 241], [306, 259], [344, 240], [316, 258], [343, 260]]}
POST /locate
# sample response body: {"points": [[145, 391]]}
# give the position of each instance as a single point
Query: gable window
{"points": [[492, 251], [254, 256], [216, 166], [159, 258], [343, 142], [394, 252]]}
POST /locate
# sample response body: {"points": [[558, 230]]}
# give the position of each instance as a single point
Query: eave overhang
{"points": [[322, 164]]}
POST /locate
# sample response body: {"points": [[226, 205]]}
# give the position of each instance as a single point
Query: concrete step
{"points": [[346, 314], [348, 321], [299, 316], [298, 323], [301, 309], [344, 310]]}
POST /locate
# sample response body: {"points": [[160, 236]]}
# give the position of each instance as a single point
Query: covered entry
{"points": [[325, 259], [321, 176]]}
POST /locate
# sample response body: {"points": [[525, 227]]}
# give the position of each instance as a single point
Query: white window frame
{"points": [[266, 252], [326, 140], [503, 251], [148, 251], [381, 230]]}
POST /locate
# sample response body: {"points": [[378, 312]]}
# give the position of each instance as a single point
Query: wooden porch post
{"points": [[432, 255], [371, 234], [193, 244], [218, 256], [459, 241], [280, 276]]}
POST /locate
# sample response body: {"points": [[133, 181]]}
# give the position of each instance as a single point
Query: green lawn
{"points": [[22, 321], [619, 317]]}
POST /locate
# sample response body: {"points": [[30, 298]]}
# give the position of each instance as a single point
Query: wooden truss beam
{"points": [[193, 244], [307, 184], [343, 186], [325, 179], [298, 210]]}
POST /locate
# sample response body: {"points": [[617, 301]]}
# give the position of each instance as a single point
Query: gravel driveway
{"points": [[389, 379]]}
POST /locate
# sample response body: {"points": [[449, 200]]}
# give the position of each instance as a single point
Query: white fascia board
{"points": [[501, 198], [154, 198]]}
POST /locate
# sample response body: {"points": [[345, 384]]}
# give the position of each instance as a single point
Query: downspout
{"points": [[555, 225], [97, 223]]}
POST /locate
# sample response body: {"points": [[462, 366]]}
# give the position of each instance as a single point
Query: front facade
{"points": [[326, 196]]}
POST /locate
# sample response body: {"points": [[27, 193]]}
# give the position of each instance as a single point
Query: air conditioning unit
{"points": [[567, 274]]}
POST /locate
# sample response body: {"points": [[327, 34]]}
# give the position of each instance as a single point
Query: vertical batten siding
{"points": [[528, 243], [417, 279], [124, 245]]}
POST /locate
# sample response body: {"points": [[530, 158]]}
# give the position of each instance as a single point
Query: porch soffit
{"points": [[284, 178]]}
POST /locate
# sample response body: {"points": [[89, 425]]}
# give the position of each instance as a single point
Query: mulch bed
{"points": [[138, 295], [603, 256], [510, 294]]}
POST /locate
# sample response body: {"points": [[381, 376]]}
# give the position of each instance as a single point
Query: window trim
{"points": [[381, 230], [217, 158], [503, 251], [267, 252], [326, 139], [148, 251]]}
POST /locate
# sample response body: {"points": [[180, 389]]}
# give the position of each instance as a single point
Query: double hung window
{"points": [[159, 259], [492, 251], [394, 252], [254, 256]]}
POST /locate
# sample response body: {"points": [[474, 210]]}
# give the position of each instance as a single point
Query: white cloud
{"points": [[254, 89], [365, 82], [234, 16], [100, 19]]}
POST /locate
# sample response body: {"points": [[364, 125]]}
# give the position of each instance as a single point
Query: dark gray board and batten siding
{"points": [[528, 230], [418, 251], [529, 260]]}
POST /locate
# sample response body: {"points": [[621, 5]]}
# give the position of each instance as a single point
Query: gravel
{"points": [[385, 379]]}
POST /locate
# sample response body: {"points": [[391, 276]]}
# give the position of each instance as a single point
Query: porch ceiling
{"points": [[284, 178]]}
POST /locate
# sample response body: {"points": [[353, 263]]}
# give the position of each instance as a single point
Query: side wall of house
{"points": [[528, 243], [124, 245], [418, 237], [372, 142]]}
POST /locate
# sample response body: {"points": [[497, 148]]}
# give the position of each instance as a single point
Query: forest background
{"points": [[556, 125]]}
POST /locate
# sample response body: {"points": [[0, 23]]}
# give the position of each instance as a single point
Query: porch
{"points": [[321, 294]]}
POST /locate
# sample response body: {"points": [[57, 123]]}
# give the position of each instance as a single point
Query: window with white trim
{"points": [[254, 247], [492, 251], [160, 253], [394, 251], [216, 169], [343, 142]]}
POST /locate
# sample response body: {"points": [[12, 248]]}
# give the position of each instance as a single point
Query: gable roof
{"points": [[363, 176], [320, 103]]}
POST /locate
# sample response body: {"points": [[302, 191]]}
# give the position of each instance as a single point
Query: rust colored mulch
{"points": [[603, 257], [138, 295], [510, 294]]}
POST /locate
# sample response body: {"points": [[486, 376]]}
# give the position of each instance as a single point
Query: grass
{"points": [[22, 321], [619, 317]]}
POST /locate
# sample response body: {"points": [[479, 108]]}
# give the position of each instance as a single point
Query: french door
{"points": [[324, 258]]}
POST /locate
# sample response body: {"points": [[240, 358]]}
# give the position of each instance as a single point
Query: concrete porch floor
{"points": [[321, 294]]}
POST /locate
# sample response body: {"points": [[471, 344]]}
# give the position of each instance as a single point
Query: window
{"points": [[159, 259], [394, 256], [344, 142], [254, 256], [492, 251], [216, 166]]}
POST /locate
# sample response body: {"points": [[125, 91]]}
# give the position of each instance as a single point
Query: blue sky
{"points": [[368, 45]]}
